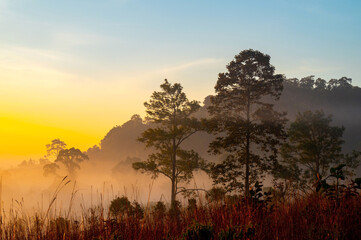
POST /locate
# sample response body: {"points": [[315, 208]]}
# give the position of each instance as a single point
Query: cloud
{"points": [[178, 68], [17, 52], [77, 38], [181, 67], [22, 66], [145, 81]]}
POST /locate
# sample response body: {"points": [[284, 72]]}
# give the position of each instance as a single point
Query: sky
{"points": [[75, 69]]}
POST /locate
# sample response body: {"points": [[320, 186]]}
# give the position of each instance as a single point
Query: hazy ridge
{"points": [[344, 104]]}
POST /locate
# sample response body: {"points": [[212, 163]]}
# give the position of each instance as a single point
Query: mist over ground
{"points": [[108, 172]]}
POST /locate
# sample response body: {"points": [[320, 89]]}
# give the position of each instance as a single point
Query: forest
{"points": [[264, 157]]}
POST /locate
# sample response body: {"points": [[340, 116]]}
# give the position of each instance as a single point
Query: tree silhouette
{"points": [[55, 147], [287, 179], [248, 128], [341, 83], [320, 84], [314, 145], [71, 158], [307, 82], [50, 169], [171, 113]]}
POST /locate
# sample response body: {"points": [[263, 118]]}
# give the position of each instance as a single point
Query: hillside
{"points": [[336, 97]]}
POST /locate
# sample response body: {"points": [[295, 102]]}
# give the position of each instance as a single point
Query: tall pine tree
{"points": [[248, 129], [171, 114]]}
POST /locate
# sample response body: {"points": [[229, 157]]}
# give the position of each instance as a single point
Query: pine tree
{"points": [[170, 112], [248, 128]]}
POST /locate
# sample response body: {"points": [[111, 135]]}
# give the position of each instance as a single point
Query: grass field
{"points": [[310, 217]]}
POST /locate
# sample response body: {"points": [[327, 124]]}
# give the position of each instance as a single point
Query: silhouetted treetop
{"points": [[71, 159], [170, 104], [321, 84], [250, 75], [248, 128], [342, 102], [55, 147], [170, 113]]}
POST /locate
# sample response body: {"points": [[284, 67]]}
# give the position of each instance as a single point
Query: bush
{"points": [[198, 231], [122, 206], [119, 206], [159, 210]]}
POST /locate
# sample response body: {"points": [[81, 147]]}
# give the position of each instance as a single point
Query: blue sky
{"points": [[103, 37], [63, 63]]}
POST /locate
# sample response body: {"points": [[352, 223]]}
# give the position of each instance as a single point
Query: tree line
{"points": [[250, 135]]}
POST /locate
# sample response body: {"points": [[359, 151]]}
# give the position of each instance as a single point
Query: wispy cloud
{"points": [[18, 52], [77, 38], [168, 71], [21, 66], [184, 66]]}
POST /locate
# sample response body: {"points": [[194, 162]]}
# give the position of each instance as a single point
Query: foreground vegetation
{"points": [[315, 216]]}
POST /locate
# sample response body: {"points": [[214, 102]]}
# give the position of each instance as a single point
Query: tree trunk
{"points": [[317, 169], [174, 186], [246, 181]]}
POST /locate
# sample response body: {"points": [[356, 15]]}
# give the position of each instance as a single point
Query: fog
{"points": [[26, 189], [108, 172]]}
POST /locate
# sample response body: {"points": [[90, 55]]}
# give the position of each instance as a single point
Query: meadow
{"points": [[311, 216]]}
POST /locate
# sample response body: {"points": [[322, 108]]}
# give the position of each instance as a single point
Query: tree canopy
{"points": [[171, 113], [249, 129], [314, 145], [71, 159], [55, 147]]}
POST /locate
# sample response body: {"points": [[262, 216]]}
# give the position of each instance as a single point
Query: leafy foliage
{"points": [[71, 159], [121, 206], [248, 128], [216, 194], [320, 84], [171, 113], [55, 147], [313, 145], [198, 231], [50, 169], [237, 232], [159, 210], [286, 181], [337, 189]]}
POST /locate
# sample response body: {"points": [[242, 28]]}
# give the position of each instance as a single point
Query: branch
{"points": [[191, 189], [160, 171], [187, 136]]}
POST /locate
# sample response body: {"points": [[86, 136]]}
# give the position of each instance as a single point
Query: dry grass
{"points": [[312, 217]]}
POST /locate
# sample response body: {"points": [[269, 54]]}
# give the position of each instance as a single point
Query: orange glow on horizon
{"points": [[23, 139]]}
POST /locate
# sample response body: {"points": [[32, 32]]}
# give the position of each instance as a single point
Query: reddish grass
{"points": [[312, 217]]}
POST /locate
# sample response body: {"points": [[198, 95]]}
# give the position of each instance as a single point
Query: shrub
{"points": [[159, 210], [119, 206], [198, 231]]}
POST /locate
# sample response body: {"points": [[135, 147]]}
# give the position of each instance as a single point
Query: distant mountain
{"points": [[121, 142], [336, 97]]}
